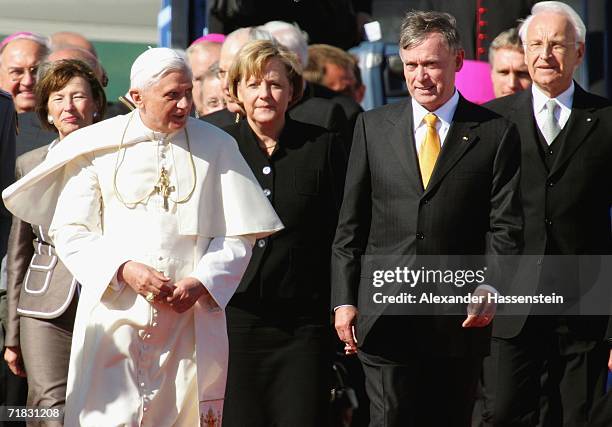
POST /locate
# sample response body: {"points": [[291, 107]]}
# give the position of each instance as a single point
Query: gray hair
{"points": [[555, 7], [508, 39], [417, 25], [290, 36]]}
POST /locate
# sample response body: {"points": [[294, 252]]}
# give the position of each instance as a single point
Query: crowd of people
{"points": [[196, 251]]}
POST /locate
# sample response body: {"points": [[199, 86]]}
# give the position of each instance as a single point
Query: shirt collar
{"points": [[445, 113], [564, 99]]}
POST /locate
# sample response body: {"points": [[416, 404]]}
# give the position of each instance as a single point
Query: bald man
{"points": [[69, 38], [19, 60]]}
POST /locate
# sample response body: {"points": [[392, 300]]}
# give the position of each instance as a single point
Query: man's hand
{"points": [[480, 314], [12, 356], [610, 361], [144, 279], [345, 318], [186, 292]]}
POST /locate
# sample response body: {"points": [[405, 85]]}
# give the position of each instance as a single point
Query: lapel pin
{"points": [[465, 138], [589, 119]]}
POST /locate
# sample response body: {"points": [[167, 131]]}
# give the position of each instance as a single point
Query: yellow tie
{"points": [[430, 149]]}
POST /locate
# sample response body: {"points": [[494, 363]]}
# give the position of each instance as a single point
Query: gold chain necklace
{"points": [[162, 186]]}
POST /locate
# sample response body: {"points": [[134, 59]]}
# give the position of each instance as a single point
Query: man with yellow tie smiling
{"points": [[432, 175]]}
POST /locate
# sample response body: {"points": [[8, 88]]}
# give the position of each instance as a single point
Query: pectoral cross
{"points": [[164, 188]]}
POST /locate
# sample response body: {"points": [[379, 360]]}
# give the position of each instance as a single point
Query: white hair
{"points": [[290, 36], [152, 65], [555, 7]]}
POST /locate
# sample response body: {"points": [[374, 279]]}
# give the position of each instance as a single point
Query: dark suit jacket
{"points": [[31, 134], [39, 285], [7, 161], [566, 208], [470, 206], [304, 182]]}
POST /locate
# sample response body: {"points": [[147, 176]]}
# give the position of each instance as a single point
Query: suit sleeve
{"points": [[19, 255], [505, 237], [353, 223]]}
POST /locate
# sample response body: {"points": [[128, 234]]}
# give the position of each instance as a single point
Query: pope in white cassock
{"points": [[155, 213]]}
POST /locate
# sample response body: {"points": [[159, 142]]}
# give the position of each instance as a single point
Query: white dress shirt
{"points": [[445, 117], [564, 101]]}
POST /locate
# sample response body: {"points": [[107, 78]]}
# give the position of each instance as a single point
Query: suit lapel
{"points": [[581, 122], [402, 140], [459, 138]]}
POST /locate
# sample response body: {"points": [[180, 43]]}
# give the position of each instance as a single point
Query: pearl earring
{"points": [[50, 119], [95, 115]]}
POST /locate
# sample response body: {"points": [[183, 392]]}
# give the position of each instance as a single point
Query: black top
{"points": [[303, 180]]}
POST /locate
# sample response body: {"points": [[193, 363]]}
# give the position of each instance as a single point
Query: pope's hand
{"points": [[345, 318], [144, 279], [12, 356], [186, 292]]}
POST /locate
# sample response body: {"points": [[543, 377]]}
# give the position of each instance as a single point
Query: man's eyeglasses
{"points": [[555, 47]]}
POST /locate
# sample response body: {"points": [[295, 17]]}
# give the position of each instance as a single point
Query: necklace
{"points": [[162, 186]]}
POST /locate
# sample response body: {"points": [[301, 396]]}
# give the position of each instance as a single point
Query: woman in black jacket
{"points": [[279, 319]]}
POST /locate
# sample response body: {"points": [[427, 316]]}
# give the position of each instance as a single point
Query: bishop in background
{"points": [[155, 214]]}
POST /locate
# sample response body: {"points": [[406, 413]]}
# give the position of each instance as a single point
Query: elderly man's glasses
{"points": [[17, 73], [555, 47]]}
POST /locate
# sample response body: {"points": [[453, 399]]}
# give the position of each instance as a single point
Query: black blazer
{"points": [[470, 206], [303, 180], [566, 206]]}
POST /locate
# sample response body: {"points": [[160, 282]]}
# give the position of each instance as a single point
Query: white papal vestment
{"points": [[134, 363]]}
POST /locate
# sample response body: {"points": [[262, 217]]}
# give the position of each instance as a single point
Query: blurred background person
{"points": [[42, 294], [200, 56], [509, 72], [331, 67], [212, 98], [278, 319], [63, 39], [20, 55]]}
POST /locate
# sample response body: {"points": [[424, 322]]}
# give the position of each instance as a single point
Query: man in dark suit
{"points": [[548, 370], [432, 175]]}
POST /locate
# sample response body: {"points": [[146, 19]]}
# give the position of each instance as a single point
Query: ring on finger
{"points": [[150, 296]]}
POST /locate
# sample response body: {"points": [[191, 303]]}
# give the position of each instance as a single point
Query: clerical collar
{"points": [[445, 113], [153, 135], [564, 99]]}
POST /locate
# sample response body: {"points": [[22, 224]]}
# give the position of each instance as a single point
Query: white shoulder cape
{"points": [[227, 200]]}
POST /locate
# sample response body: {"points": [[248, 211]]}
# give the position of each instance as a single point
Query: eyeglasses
{"points": [[17, 73], [555, 47]]}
